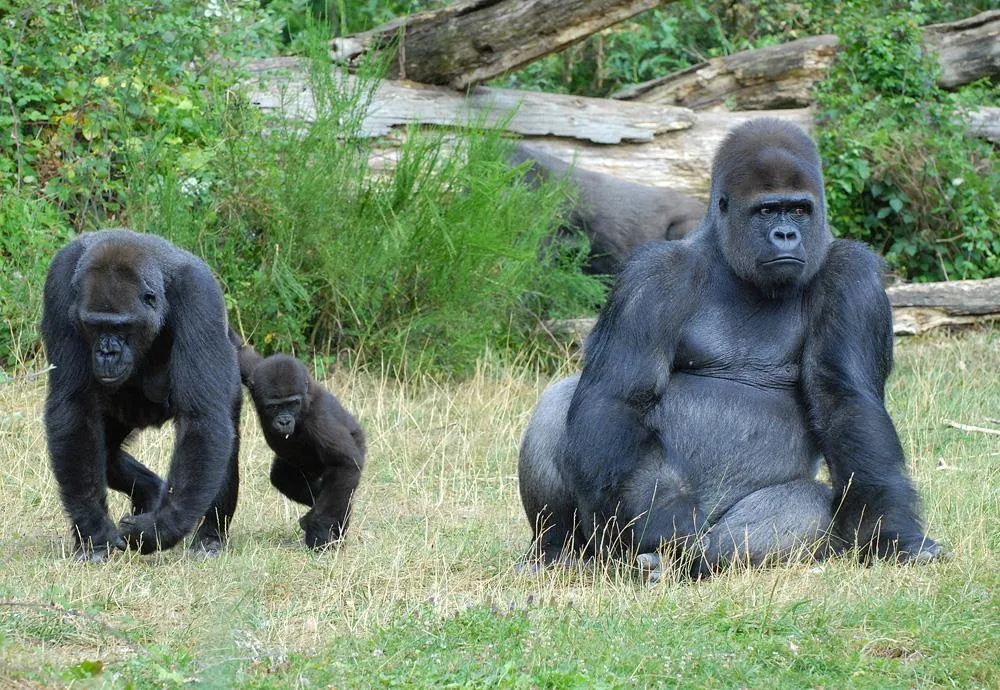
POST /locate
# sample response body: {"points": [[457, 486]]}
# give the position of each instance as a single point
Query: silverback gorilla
{"points": [[135, 330], [721, 371], [615, 215], [319, 447]]}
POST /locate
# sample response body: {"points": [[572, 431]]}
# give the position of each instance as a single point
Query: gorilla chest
{"points": [[142, 402], [754, 344]]}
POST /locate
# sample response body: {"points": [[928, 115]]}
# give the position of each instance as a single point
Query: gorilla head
{"points": [[280, 386], [122, 307], [767, 203]]}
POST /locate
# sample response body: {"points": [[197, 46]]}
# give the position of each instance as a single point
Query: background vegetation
{"points": [[129, 113]]}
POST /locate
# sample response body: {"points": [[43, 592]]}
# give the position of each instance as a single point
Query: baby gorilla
{"points": [[319, 446]]}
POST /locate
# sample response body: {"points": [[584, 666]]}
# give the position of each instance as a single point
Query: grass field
{"points": [[423, 594]]}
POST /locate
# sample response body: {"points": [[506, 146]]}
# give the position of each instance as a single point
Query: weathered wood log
{"points": [[281, 86], [968, 49], [984, 123], [954, 297], [780, 76], [680, 160], [783, 76], [916, 308], [657, 145], [472, 41]]}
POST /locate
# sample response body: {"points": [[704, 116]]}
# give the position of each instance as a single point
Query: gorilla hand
{"points": [[98, 546]]}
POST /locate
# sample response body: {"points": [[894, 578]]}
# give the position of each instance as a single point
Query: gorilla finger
{"points": [[648, 562], [208, 547]]}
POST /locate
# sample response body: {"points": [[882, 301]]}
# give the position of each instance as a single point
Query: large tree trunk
{"points": [[472, 41], [782, 76]]}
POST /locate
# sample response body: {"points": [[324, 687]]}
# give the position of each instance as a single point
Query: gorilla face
{"points": [[769, 206], [121, 311], [279, 387]]}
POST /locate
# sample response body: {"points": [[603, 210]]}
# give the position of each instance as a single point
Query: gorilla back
{"points": [[724, 368], [135, 329]]}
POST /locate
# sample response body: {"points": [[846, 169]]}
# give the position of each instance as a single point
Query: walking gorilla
{"points": [[319, 447], [135, 330], [721, 371]]}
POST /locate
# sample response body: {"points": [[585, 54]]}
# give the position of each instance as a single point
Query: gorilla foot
{"points": [[925, 552], [535, 566], [650, 567]]}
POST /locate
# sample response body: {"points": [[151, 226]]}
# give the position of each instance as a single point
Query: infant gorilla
{"points": [[319, 447]]}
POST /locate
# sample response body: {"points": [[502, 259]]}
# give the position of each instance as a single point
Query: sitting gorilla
{"points": [[720, 372], [615, 215], [319, 446], [135, 330]]}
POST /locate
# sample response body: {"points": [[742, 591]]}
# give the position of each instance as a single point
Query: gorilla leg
{"points": [[786, 522], [547, 499], [658, 506], [128, 475], [132, 478], [293, 482]]}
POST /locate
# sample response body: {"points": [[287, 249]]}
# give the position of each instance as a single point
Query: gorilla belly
{"points": [[734, 438]]}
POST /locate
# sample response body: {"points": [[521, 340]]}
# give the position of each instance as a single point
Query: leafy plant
{"points": [[901, 172], [421, 267], [31, 231]]}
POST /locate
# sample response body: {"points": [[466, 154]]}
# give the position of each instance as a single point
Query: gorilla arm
{"points": [[343, 458], [72, 437], [611, 433], [847, 358], [202, 375]]}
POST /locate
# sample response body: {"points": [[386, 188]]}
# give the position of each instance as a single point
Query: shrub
{"points": [[81, 76], [419, 268], [31, 231], [902, 174]]}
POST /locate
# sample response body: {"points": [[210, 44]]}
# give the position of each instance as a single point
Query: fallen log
{"points": [[782, 76], [472, 41], [967, 50], [662, 146], [281, 86], [916, 308]]}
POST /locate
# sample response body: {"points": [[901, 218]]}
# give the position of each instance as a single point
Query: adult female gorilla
{"points": [[721, 371], [135, 329]]}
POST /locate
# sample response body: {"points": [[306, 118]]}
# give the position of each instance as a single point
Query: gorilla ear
{"points": [[723, 204]]}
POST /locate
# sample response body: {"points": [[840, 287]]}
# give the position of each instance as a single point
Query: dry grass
{"points": [[438, 526]]}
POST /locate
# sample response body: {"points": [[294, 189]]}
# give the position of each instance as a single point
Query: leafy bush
{"points": [[419, 268], [80, 77], [31, 231], [901, 172]]}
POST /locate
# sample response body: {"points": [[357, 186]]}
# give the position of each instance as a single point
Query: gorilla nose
{"points": [[785, 239]]}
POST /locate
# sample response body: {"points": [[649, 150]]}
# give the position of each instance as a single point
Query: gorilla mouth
{"points": [[785, 261]]}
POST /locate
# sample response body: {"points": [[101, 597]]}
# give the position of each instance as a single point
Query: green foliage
{"points": [[78, 78], [31, 231], [902, 174], [419, 268]]}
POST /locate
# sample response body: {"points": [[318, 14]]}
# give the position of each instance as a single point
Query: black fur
{"points": [[135, 329], [616, 215], [319, 446], [721, 372]]}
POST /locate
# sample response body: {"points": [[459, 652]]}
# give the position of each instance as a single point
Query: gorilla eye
{"points": [[799, 211], [765, 210], [149, 299]]}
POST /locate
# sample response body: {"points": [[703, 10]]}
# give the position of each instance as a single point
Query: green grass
{"points": [[424, 593]]}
